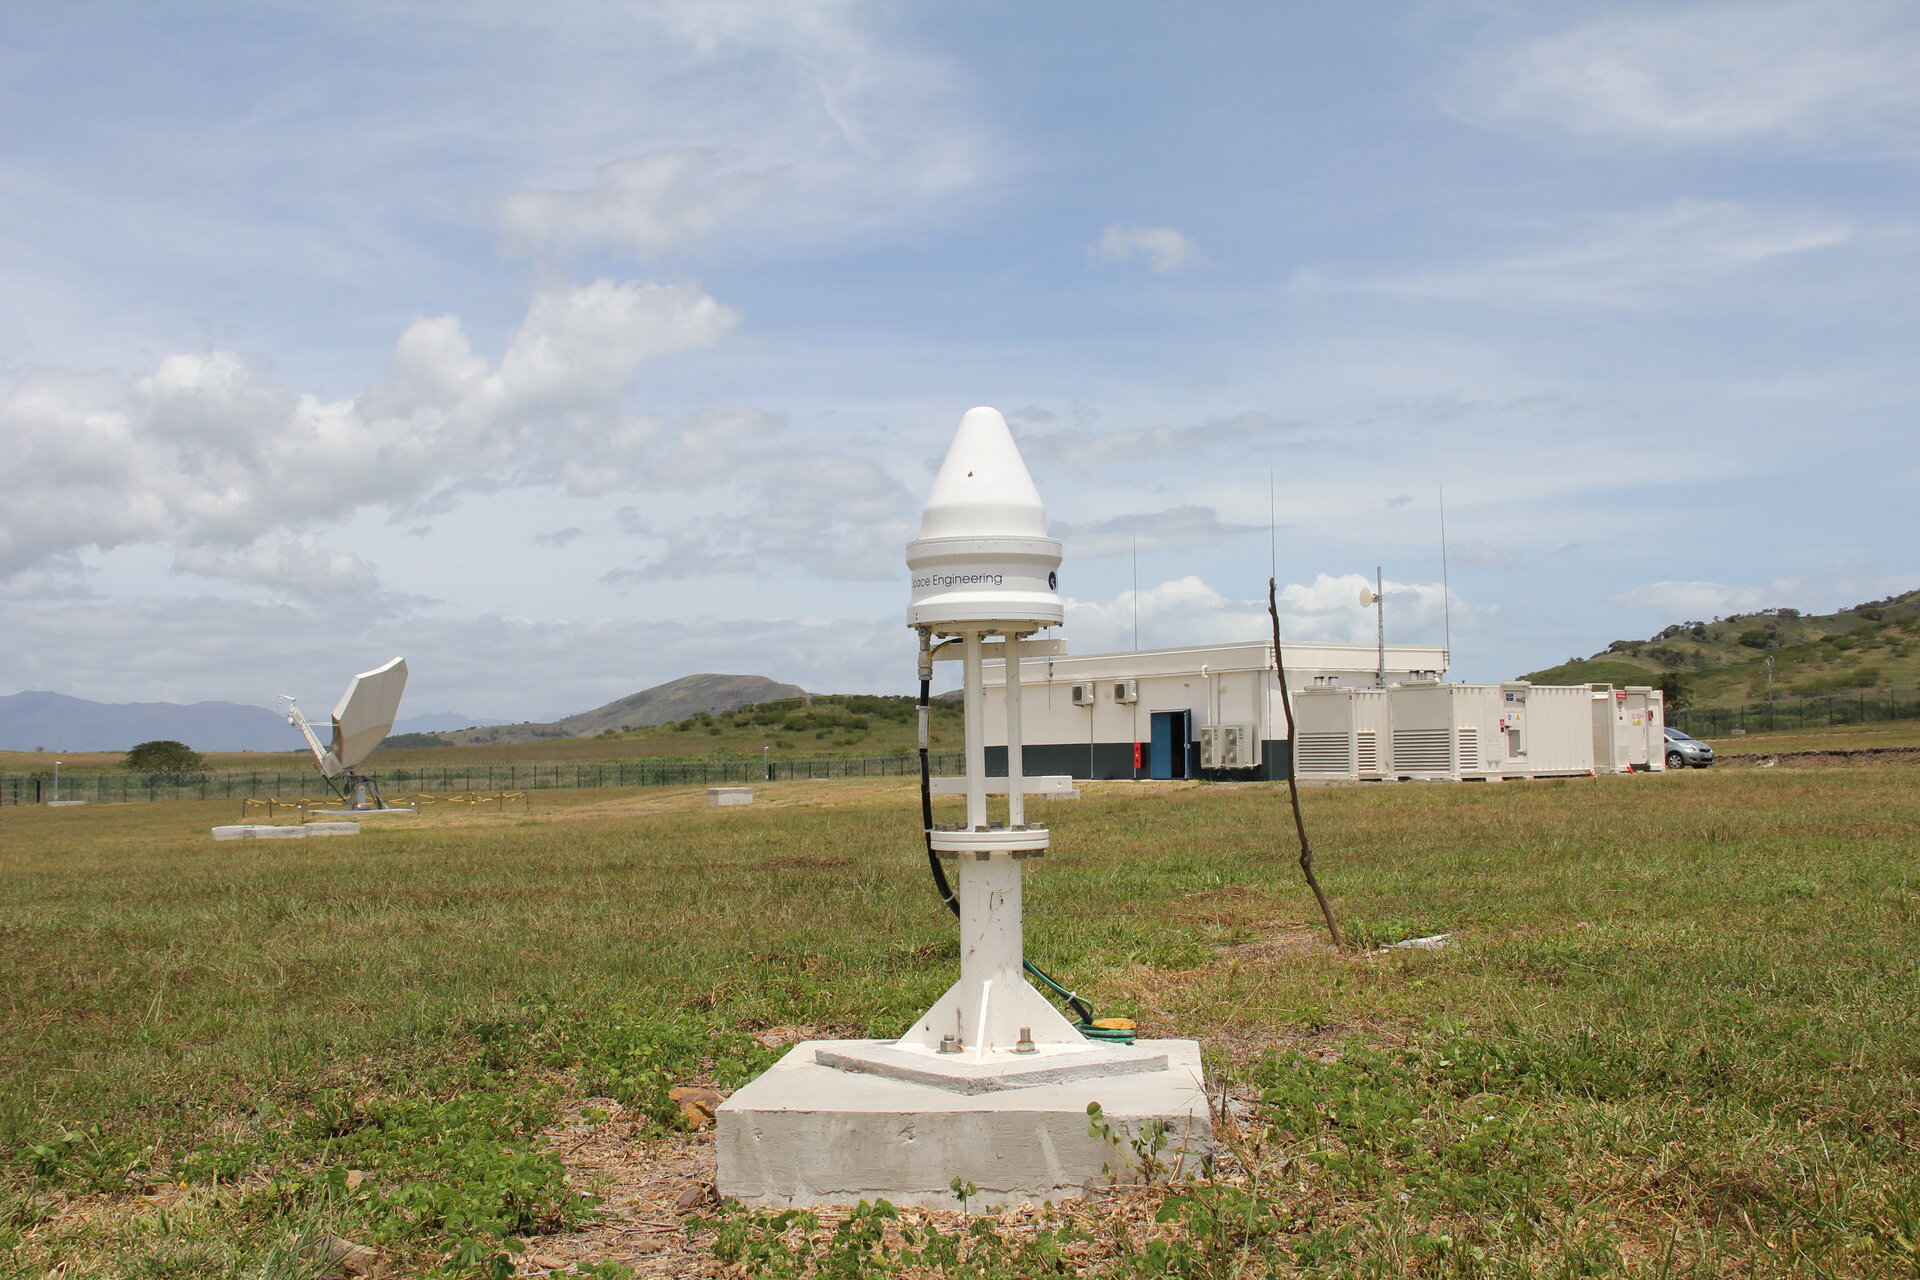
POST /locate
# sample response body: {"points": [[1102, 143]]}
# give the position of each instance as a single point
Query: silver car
{"points": [[1683, 751]]}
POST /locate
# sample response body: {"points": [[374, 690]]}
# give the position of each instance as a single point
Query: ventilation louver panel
{"points": [[1323, 753], [1366, 756], [1421, 751], [1469, 747]]}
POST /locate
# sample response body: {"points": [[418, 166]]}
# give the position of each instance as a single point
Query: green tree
{"points": [[1675, 691], [164, 760]]}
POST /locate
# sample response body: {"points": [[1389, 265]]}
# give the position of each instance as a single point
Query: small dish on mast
{"points": [[361, 720]]}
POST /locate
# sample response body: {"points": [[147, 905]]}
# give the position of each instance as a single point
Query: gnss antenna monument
{"points": [[991, 1085]]}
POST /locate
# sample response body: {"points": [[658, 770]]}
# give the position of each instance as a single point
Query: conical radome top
{"points": [[983, 489], [983, 559]]}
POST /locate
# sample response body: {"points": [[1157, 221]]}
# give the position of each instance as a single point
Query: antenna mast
{"points": [[1380, 622], [1446, 586]]}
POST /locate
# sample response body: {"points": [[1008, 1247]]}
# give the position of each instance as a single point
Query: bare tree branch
{"points": [[1293, 778]]}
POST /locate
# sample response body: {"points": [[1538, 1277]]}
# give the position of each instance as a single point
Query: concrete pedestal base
{"points": [[806, 1134], [1050, 1064], [359, 814]]}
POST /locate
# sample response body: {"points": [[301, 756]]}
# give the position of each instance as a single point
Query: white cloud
{"points": [[1084, 448], [645, 204], [1174, 529], [1678, 600], [801, 511], [1711, 73], [1164, 249], [1635, 259], [1188, 611], [296, 564], [778, 124], [1484, 555], [205, 453]]}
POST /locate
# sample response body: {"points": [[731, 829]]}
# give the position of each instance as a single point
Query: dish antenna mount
{"points": [[363, 716]]}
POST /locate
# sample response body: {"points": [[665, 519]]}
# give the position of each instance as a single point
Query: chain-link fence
{"points": [[1802, 711], [227, 784]]}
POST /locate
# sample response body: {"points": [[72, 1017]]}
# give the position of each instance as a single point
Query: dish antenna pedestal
{"points": [[361, 720], [835, 1122]]}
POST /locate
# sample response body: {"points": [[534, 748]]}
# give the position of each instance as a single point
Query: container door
{"points": [[1167, 753]]}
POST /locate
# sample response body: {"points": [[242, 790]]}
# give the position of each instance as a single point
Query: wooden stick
{"points": [[1293, 774]]}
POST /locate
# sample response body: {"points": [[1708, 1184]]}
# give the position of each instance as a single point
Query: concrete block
{"points": [[259, 833], [807, 1134], [333, 828], [727, 797]]}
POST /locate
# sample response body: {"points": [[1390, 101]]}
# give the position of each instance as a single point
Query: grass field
{"points": [[1840, 737], [1675, 1034]]}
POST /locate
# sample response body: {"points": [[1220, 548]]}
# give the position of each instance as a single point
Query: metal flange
{"points": [[993, 840]]}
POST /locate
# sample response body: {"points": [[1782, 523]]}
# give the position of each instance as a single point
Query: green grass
{"points": [[1839, 737], [1675, 1034]]}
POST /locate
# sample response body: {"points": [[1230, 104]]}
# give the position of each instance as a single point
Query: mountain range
{"points": [[38, 720]]}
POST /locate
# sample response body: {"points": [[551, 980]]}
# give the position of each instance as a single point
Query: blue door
{"points": [[1167, 753]]}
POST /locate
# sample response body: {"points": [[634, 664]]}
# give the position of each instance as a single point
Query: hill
{"points": [[662, 704], [1876, 644]]}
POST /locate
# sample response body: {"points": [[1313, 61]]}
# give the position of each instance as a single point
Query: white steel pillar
{"points": [[1016, 743], [974, 699]]}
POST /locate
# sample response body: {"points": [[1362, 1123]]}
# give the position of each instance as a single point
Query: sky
{"points": [[570, 348]]}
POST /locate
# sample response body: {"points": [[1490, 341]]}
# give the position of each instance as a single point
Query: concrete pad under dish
{"points": [[806, 1134], [333, 828], [254, 832], [359, 814]]}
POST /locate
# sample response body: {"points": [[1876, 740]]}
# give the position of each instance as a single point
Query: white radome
{"points": [[983, 555]]}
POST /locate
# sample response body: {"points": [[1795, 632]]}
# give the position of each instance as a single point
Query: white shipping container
{"points": [[1554, 733], [1445, 732], [1340, 734], [1454, 732]]}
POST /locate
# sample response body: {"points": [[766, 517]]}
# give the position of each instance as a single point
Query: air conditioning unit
{"points": [[1228, 746], [1126, 691], [1082, 695]]}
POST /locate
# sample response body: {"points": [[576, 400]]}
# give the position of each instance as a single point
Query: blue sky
{"points": [[569, 349]]}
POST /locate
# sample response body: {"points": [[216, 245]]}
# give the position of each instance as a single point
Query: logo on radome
{"points": [[1053, 581]]}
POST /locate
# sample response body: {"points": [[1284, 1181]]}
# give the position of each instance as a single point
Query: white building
{"points": [[1199, 711]]}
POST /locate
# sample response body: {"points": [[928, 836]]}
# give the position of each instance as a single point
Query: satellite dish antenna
{"points": [[1367, 598], [361, 719]]}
